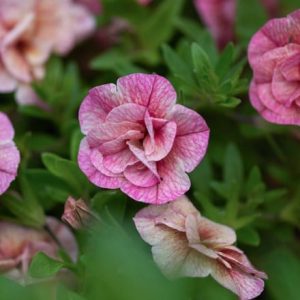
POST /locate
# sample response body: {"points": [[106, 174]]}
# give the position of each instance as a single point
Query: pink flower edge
{"points": [[9, 154]]}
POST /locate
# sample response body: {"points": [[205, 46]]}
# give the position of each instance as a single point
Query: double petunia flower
{"points": [[139, 140]]}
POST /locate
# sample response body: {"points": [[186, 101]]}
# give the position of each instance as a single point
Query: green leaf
{"points": [[246, 24], [283, 269], [179, 68], [249, 236], [203, 69], [74, 144], [43, 266], [66, 170], [225, 60], [151, 32]]}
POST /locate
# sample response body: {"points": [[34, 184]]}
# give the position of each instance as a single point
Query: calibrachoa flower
{"points": [[18, 245], [186, 244], [137, 139], [219, 16], [9, 154], [274, 55], [30, 30]]}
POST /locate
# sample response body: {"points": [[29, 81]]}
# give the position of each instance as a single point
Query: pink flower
{"points": [[137, 139], [94, 6], [186, 244], [9, 154], [274, 55], [18, 245], [30, 30], [219, 16]]}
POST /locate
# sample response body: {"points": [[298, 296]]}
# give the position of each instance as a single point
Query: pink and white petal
{"points": [[94, 175], [188, 121], [82, 22], [152, 91], [139, 175], [16, 64], [290, 67], [284, 91], [117, 163], [97, 161], [146, 224], [139, 153], [244, 285], [254, 99], [191, 149], [239, 260], [90, 114], [106, 132], [119, 143], [65, 237], [6, 129], [7, 82], [9, 162], [25, 95], [176, 259], [264, 64], [141, 194], [176, 212], [130, 112], [174, 181], [215, 234], [194, 240], [264, 92], [163, 142]]}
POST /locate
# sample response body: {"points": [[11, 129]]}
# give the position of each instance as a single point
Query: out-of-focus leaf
{"points": [[249, 236], [66, 170], [283, 269], [151, 32], [43, 266]]}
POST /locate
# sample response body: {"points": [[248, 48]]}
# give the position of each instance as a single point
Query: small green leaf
{"points": [[249, 236], [43, 266], [66, 170]]}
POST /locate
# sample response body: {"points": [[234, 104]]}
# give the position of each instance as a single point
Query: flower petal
{"points": [[139, 175], [94, 175], [162, 143], [152, 91]]}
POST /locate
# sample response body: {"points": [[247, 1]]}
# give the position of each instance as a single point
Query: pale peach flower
{"points": [[186, 244], [18, 245], [30, 30]]}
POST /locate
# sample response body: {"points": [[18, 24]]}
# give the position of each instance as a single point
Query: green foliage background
{"points": [[248, 180]]}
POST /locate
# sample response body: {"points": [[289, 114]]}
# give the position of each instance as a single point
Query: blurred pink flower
{"points": [[76, 213], [30, 30], [219, 16], [139, 140], [9, 154], [144, 2], [18, 245], [274, 55], [94, 6], [186, 244]]}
